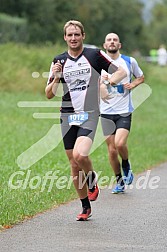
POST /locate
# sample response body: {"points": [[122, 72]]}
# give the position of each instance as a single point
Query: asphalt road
{"points": [[133, 221]]}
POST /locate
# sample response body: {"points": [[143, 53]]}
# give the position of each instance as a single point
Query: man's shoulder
{"points": [[126, 58], [61, 57], [90, 50]]}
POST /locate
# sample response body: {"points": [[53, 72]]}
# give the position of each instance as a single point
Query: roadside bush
{"points": [[13, 29]]}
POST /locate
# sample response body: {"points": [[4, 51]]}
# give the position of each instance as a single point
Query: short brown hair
{"points": [[75, 23]]}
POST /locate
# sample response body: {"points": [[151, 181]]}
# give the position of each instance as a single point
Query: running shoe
{"points": [[118, 189], [129, 178], [84, 215], [128, 175], [92, 195]]}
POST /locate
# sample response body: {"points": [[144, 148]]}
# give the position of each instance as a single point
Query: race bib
{"points": [[116, 90], [78, 118]]}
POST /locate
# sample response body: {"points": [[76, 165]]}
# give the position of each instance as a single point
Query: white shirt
{"points": [[162, 56], [121, 101]]}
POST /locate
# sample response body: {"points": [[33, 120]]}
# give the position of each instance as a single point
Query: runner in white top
{"points": [[116, 109]]}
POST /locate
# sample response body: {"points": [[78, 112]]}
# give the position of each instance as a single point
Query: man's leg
{"points": [[81, 187], [121, 146], [114, 161], [81, 155], [109, 130], [77, 175], [69, 134], [121, 137], [113, 154]]}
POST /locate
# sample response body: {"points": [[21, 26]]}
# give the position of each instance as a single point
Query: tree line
{"points": [[38, 22]]}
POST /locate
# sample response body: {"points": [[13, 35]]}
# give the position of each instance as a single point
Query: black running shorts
{"points": [[71, 133], [110, 123]]}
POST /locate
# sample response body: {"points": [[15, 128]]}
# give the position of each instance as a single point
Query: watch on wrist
{"points": [[106, 82]]}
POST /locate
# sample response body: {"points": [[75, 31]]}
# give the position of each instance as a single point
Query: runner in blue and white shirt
{"points": [[78, 71], [116, 109]]}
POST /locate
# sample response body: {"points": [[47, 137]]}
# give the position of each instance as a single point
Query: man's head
{"points": [[112, 43], [74, 23], [74, 34]]}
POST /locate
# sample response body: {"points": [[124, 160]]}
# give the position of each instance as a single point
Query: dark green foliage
{"points": [[44, 21], [13, 29]]}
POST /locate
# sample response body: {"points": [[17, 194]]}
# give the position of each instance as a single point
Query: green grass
{"points": [[18, 62], [19, 130]]}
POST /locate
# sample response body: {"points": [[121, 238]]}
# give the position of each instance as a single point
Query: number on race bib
{"points": [[77, 119]]}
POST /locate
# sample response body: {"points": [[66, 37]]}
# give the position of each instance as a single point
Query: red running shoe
{"points": [[84, 215], [92, 196]]}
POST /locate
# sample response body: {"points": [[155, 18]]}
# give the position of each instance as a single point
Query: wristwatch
{"points": [[106, 82]]}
